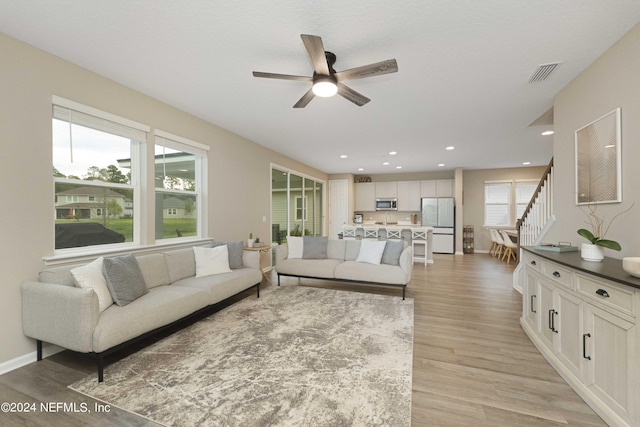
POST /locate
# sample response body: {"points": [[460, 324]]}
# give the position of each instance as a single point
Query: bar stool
{"points": [[348, 232], [371, 233], [419, 237], [394, 233]]}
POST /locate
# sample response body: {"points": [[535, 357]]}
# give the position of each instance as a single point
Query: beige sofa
{"points": [[54, 310], [340, 265]]}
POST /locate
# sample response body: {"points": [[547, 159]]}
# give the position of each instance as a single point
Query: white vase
{"points": [[590, 252], [250, 242]]}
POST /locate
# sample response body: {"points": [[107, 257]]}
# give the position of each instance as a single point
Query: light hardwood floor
{"points": [[473, 365]]}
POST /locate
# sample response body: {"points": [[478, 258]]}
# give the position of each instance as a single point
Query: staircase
{"points": [[536, 220]]}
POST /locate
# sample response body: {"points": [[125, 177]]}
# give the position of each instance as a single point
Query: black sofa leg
{"points": [[258, 290], [100, 368], [39, 349], [278, 280], [404, 288]]}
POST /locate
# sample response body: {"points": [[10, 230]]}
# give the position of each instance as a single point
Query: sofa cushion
{"points": [[90, 277], [314, 247], [365, 272], [154, 270], [323, 268], [160, 306], [336, 249], [235, 253], [371, 251], [295, 245], [392, 251], [222, 286], [210, 261], [124, 279], [57, 275], [181, 263], [352, 250]]}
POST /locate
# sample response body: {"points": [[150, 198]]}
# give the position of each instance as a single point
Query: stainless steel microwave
{"points": [[386, 204]]}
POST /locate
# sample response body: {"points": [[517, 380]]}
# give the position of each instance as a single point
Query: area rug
{"points": [[296, 356]]}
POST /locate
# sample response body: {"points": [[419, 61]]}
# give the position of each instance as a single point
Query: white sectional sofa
{"points": [[55, 310], [343, 260]]}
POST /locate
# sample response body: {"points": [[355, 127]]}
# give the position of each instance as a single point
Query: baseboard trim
{"points": [[26, 359]]}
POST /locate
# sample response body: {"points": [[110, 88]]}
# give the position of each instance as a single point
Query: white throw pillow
{"points": [[211, 261], [296, 246], [90, 277], [371, 251]]}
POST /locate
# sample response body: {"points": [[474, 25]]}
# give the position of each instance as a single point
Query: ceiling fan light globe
{"points": [[325, 88]]}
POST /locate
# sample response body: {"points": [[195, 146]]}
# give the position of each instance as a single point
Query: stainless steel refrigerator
{"points": [[440, 213]]}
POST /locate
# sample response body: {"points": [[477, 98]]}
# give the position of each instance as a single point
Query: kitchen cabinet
{"points": [[428, 188], [585, 326], [365, 197], [386, 189], [444, 188], [409, 196]]}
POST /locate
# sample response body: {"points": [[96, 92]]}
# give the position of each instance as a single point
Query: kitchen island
{"points": [[406, 234]]}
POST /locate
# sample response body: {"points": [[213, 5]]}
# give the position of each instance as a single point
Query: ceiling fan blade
{"points": [[281, 76], [379, 68], [315, 49], [306, 98], [352, 95]]}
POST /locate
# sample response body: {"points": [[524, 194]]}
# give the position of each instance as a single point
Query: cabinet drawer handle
{"points": [[531, 307], [552, 321], [584, 346], [602, 293], [556, 274], [533, 263]]}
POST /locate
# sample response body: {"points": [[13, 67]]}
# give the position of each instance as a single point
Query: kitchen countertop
{"points": [[609, 268]]}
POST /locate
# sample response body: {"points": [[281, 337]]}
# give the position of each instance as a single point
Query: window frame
{"points": [[508, 203]]}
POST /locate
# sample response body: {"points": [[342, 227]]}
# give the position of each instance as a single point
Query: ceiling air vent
{"points": [[542, 72]]}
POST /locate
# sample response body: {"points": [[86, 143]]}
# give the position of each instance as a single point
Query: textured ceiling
{"points": [[464, 68]]}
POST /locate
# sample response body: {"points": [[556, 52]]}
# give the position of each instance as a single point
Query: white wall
{"points": [[28, 79], [612, 81]]}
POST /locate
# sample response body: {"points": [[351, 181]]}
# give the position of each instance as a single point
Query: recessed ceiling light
{"points": [[343, 156], [450, 148], [526, 163], [360, 169], [398, 167], [393, 153], [547, 132], [385, 163], [440, 164]]}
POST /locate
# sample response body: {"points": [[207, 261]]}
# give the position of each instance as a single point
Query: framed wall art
{"points": [[598, 161]]}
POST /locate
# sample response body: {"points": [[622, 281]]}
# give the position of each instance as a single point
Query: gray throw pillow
{"points": [[235, 253], [392, 251], [314, 247], [124, 279]]}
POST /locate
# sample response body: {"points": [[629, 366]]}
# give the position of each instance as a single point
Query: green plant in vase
{"points": [[596, 236]]}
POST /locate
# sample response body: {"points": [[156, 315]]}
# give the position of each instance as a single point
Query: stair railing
{"points": [[535, 219]]}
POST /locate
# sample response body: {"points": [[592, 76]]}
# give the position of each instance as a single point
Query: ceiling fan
{"points": [[326, 81]]}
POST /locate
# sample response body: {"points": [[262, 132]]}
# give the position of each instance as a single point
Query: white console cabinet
{"points": [[582, 318]]}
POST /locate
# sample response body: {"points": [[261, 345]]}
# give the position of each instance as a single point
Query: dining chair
{"points": [[510, 247]]}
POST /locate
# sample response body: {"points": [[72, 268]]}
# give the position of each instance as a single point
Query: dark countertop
{"points": [[609, 268]]}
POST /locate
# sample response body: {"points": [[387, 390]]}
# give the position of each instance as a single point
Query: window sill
{"points": [[71, 256]]}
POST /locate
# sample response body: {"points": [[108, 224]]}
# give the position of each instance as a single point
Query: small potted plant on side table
{"points": [[594, 250]]}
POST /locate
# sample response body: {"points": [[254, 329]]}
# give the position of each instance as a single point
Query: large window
{"points": [[499, 196], [497, 203], [97, 185], [179, 177], [296, 205], [104, 186]]}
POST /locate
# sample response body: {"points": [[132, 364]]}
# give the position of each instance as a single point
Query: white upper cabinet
{"points": [[444, 188], [386, 189], [409, 195], [365, 196], [428, 188]]}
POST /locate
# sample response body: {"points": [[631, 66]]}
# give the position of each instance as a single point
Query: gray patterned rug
{"points": [[294, 357]]}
